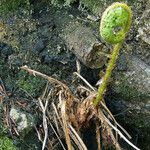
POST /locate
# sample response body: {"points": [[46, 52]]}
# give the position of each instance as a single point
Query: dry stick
{"points": [[67, 131], [84, 88], [121, 135], [8, 120], [102, 118], [65, 125], [56, 123], [116, 123], [56, 112], [44, 121], [39, 136], [78, 66], [50, 79], [84, 81], [71, 130], [98, 136], [44, 93], [78, 137], [3, 87], [14, 127], [58, 137], [73, 137]]}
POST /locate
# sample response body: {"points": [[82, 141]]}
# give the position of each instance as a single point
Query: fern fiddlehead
{"points": [[115, 23]]}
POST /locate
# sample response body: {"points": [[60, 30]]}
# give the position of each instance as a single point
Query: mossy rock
{"points": [[30, 83]]}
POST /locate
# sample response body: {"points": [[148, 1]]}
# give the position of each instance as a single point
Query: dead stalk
{"points": [[44, 121], [65, 125]]}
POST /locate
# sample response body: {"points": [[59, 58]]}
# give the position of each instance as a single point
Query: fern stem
{"points": [[107, 75]]}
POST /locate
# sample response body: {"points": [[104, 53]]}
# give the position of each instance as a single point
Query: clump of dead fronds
{"points": [[66, 114]]}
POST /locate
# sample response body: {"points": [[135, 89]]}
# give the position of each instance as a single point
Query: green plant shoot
{"points": [[115, 23]]}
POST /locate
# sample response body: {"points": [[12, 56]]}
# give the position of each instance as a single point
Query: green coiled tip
{"points": [[115, 22]]}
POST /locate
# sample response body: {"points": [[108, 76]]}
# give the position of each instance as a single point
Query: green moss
{"points": [[128, 91], [30, 83], [7, 74], [7, 6], [6, 144], [3, 128]]}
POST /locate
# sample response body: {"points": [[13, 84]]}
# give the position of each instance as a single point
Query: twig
{"points": [[2, 84], [85, 81], [121, 135], [44, 93], [50, 79], [56, 112], [78, 138], [39, 136], [65, 125], [44, 119], [57, 137], [82, 87], [103, 118], [98, 136], [8, 120], [78, 66], [116, 123]]}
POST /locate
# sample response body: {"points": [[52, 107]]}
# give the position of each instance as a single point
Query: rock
{"points": [[39, 46], [81, 40], [24, 121], [144, 29], [130, 94], [134, 82], [134, 116], [5, 50]]}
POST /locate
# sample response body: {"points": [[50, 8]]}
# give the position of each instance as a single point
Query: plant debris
{"points": [[65, 114]]}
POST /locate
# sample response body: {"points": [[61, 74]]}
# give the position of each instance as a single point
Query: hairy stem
{"points": [[107, 75]]}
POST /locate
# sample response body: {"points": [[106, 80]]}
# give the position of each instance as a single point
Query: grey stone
{"points": [[24, 121], [144, 29], [82, 41], [39, 46], [5, 50], [134, 83]]}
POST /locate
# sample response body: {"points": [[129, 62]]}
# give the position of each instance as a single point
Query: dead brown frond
{"points": [[67, 113]]}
